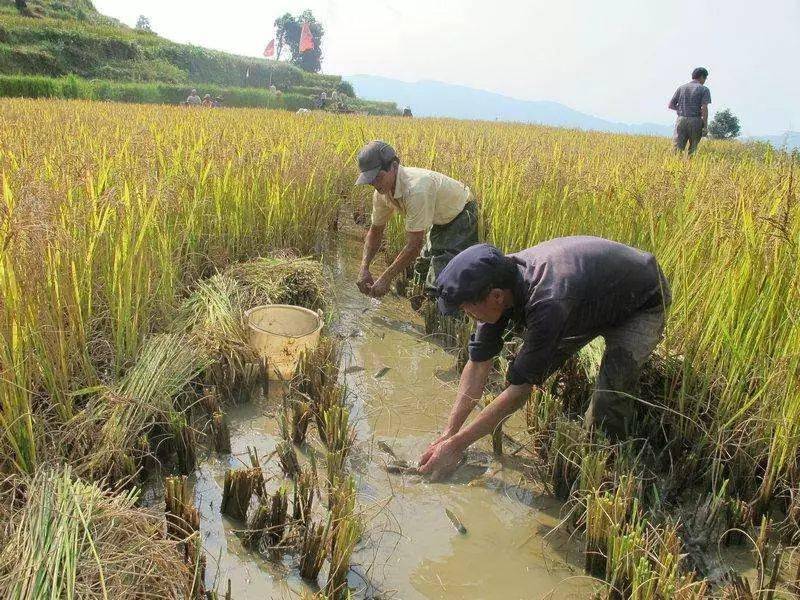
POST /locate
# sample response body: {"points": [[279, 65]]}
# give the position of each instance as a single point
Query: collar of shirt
{"points": [[401, 183], [516, 312], [400, 188]]}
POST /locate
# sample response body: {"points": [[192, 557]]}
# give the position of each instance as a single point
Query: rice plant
{"points": [[126, 222], [268, 522], [312, 551], [238, 490], [107, 431], [183, 518], [345, 531], [71, 539]]}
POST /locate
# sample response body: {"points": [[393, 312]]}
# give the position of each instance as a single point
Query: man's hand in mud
{"points": [[443, 460], [365, 282], [431, 447], [380, 288]]}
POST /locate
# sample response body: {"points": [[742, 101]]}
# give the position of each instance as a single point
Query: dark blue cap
{"points": [[466, 276]]}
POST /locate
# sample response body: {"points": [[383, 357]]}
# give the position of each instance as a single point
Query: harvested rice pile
{"points": [[65, 538]]}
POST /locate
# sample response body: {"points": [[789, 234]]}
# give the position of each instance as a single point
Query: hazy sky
{"points": [[616, 59]]}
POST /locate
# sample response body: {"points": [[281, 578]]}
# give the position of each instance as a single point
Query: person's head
{"points": [[378, 164], [194, 93], [207, 97], [480, 281], [700, 74]]}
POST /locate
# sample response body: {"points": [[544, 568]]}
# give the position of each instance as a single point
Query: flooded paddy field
{"points": [[401, 385], [121, 225]]}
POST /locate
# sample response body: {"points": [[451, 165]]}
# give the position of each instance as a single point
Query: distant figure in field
{"points": [[217, 102], [207, 101], [691, 102], [193, 99], [407, 112], [273, 89]]}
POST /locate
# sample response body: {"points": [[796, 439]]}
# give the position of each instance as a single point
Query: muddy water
{"points": [[401, 386]]}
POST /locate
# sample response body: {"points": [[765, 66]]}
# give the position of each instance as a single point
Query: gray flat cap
{"points": [[373, 158]]}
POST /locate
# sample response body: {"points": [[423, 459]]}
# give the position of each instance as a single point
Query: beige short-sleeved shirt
{"points": [[424, 197]]}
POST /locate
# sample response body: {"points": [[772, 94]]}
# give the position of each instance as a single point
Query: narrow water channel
{"points": [[410, 548]]}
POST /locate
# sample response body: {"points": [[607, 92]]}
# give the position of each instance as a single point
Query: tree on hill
{"points": [[287, 34], [143, 23], [725, 126]]}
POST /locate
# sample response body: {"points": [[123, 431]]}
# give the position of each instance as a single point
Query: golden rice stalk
{"points": [[294, 420], [280, 280], [70, 539], [213, 314], [345, 531], [111, 425], [330, 397], [565, 452], [339, 438], [606, 512], [183, 518]]}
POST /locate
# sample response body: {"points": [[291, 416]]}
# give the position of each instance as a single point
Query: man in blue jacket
{"points": [[564, 292]]}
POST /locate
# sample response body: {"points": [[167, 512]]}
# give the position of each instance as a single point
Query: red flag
{"points": [[270, 49], [306, 39]]}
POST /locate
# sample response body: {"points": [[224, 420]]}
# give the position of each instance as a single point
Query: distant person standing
{"points": [[207, 101], [193, 99], [691, 102]]}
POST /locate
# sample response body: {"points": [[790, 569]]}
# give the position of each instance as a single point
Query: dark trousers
{"points": [[443, 243], [688, 129]]}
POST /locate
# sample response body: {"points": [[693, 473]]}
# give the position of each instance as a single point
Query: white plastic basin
{"points": [[280, 333]]}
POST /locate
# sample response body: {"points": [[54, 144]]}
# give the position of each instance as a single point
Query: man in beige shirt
{"points": [[431, 204]]}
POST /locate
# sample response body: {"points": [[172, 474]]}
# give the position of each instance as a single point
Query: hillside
{"points": [[437, 99], [70, 37]]}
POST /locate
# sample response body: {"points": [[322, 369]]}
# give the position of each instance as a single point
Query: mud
{"points": [[504, 547]]}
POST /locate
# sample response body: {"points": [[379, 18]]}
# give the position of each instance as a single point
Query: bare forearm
{"points": [[372, 243], [470, 390], [407, 255], [704, 115], [511, 400]]}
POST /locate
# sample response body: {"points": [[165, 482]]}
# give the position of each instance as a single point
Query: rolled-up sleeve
{"points": [[487, 341], [706, 97], [540, 354]]}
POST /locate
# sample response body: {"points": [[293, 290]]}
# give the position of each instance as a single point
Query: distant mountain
{"points": [[789, 140], [437, 99]]}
